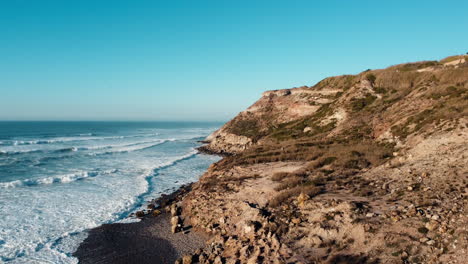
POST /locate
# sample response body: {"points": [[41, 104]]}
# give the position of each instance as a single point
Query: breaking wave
{"points": [[66, 178]]}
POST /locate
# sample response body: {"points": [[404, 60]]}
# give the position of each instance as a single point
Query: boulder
{"points": [[175, 221], [156, 212], [174, 210], [140, 214], [188, 259]]}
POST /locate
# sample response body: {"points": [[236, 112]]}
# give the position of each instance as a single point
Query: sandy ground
{"points": [[148, 241]]}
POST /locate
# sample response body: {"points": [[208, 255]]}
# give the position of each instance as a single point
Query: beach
{"points": [[147, 241]]}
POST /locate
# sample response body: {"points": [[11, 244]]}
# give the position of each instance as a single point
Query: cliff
{"points": [[366, 168]]}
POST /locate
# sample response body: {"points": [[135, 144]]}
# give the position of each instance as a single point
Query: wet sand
{"points": [[147, 241]]}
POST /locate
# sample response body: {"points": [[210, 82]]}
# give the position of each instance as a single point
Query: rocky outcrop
{"points": [[366, 168]]}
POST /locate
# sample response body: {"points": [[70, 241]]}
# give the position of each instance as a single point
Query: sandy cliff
{"points": [[367, 168]]}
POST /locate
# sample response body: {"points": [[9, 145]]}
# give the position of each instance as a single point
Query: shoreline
{"points": [[147, 241]]}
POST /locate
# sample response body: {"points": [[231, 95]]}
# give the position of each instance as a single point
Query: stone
{"points": [[370, 214], [174, 210], [175, 220], [140, 214], [435, 217], [218, 260], [316, 241], [156, 212], [307, 129], [202, 258], [296, 220], [174, 229], [187, 259], [302, 198], [431, 225]]}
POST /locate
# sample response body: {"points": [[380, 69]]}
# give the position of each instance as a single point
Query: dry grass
{"points": [[287, 194]]}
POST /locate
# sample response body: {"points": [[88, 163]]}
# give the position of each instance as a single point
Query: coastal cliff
{"points": [[366, 168]]}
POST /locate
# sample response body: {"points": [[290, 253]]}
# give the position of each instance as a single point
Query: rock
{"points": [[151, 206], [430, 242], [307, 129], [302, 198], [175, 220], [174, 210], [409, 188], [431, 225], [178, 261], [218, 260], [296, 220], [188, 259], [370, 214], [435, 217], [253, 260], [424, 240], [244, 252], [140, 214], [156, 212], [316, 241], [202, 258]]}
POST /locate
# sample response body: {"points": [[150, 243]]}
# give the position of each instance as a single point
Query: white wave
{"points": [[127, 147], [135, 147], [190, 154], [67, 178], [14, 152], [81, 137]]}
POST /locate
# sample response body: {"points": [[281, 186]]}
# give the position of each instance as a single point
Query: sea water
{"points": [[58, 179]]}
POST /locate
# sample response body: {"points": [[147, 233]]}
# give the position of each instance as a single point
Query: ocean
{"points": [[58, 179]]}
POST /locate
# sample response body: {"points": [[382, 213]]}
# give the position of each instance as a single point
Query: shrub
{"points": [[325, 161], [290, 182], [279, 176], [285, 195], [371, 78], [357, 104]]}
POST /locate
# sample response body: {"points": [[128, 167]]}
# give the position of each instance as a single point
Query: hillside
{"points": [[366, 168]]}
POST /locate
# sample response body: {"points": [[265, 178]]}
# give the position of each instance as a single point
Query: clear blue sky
{"points": [[201, 60]]}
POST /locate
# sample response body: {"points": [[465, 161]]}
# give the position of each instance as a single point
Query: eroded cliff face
{"points": [[386, 102], [273, 108], [367, 168]]}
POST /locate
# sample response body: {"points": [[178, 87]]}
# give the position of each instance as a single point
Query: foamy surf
{"points": [[67, 178], [53, 187]]}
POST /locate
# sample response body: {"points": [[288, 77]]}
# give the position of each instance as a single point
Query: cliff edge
{"points": [[366, 168]]}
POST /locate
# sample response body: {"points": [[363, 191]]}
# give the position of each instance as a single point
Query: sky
{"points": [[201, 60]]}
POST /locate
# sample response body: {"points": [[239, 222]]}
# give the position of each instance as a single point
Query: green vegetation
{"points": [[380, 90], [358, 104], [246, 127], [418, 65], [371, 78]]}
